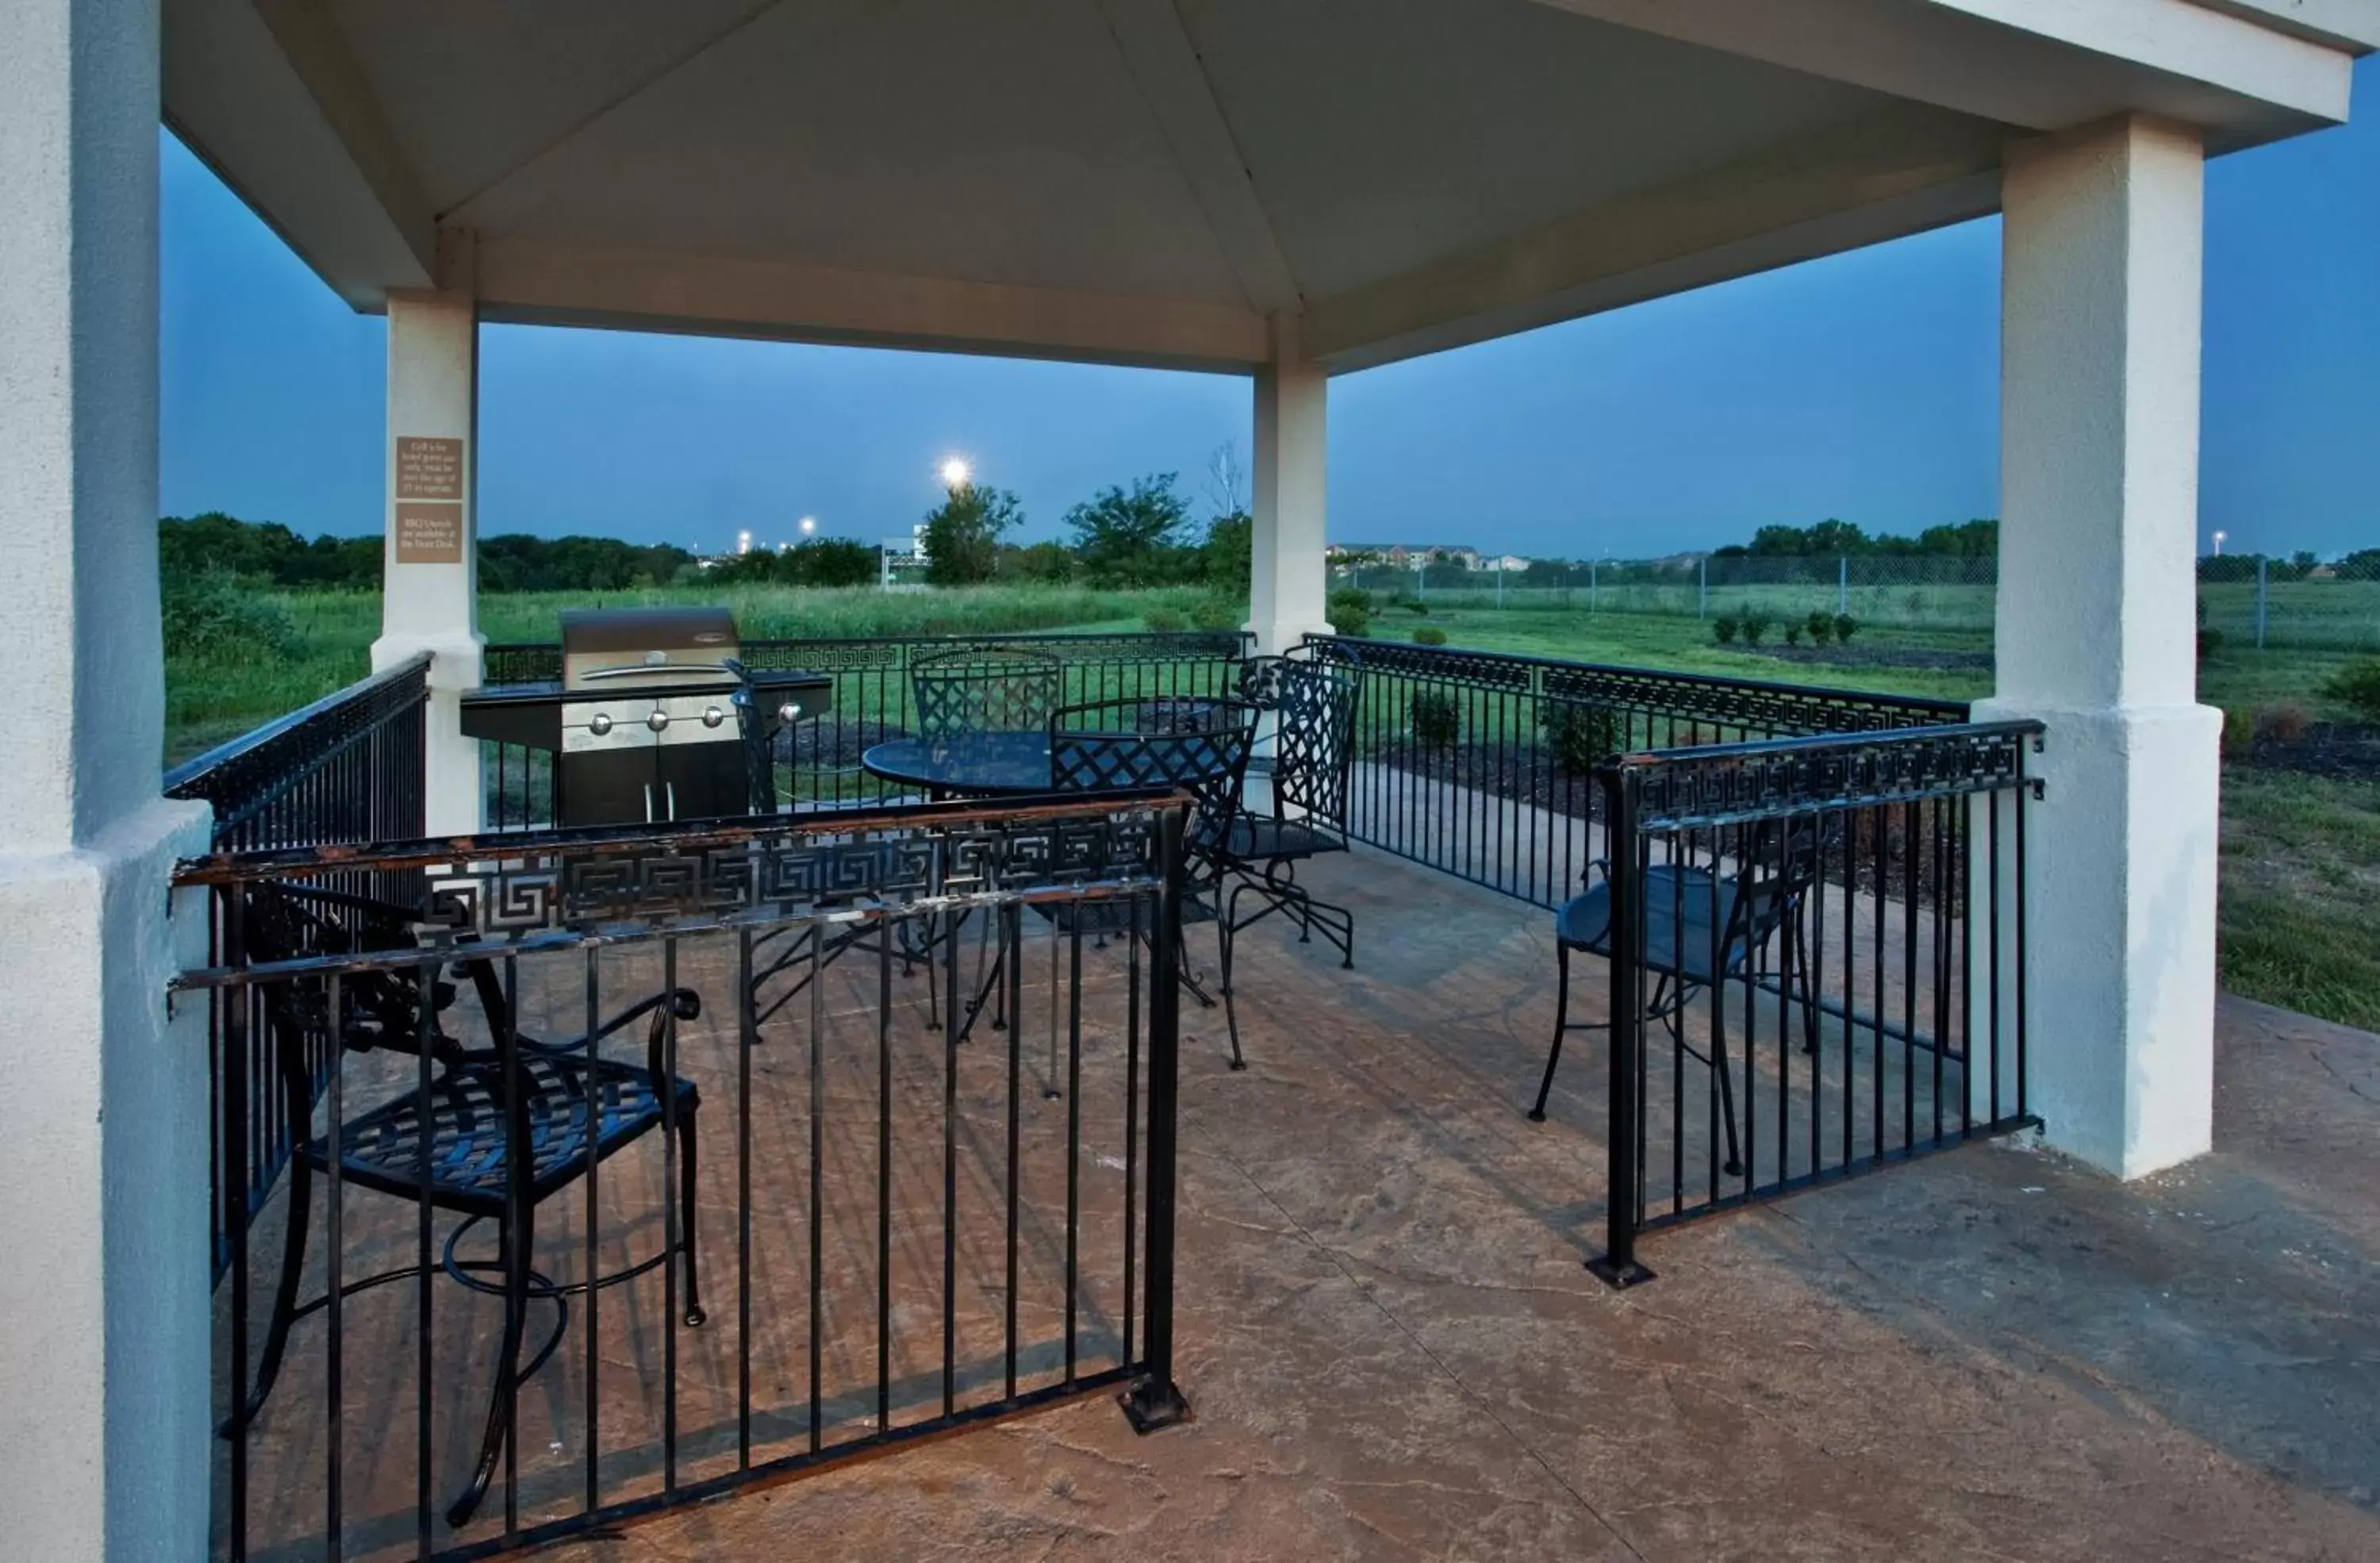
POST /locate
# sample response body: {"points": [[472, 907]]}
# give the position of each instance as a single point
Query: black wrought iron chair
{"points": [[562, 1099], [1704, 924], [985, 689], [1313, 705], [1200, 744]]}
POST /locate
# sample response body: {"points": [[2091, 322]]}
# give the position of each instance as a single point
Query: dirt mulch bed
{"points": [[1872, 657], [2342, 750], [1525, 775]]}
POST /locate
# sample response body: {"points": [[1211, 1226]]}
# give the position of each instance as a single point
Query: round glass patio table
{"points": [[969, 765]]}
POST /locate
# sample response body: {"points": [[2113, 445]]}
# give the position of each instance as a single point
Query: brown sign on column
{"points": [[429, 469], [429, 534]]}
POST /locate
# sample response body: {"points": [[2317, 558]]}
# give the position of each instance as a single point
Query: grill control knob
{"points": [[599, 725], [712, 716], [658, 721], [789, 713]]}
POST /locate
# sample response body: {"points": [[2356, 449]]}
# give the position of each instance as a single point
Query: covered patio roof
{"points": [[1147, 181]]}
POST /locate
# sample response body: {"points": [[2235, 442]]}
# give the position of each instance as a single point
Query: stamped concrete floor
{"points": [[1393, 1352]]}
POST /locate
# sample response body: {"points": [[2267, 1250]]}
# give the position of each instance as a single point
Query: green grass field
{"points": [[2335, 616], [2301, 858]]}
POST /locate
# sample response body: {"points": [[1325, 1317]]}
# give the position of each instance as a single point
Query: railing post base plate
{"points": [[1619, 1274], [1153, 1404]]}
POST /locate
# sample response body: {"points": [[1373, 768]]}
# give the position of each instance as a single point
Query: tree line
{"points": [[214, 543], [267, 550], [1135, 534], [1834, 540]]}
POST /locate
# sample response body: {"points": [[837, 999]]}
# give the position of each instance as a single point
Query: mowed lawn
{"points": [[2301, 854]]}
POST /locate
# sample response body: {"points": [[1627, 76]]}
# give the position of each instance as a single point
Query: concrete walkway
{"points": [[1395, 1352]]}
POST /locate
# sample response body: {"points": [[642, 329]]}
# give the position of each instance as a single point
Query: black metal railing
{"points": [[1818, 958], [935, 1184], [344, 772], [817, 762], [1482, 765]]}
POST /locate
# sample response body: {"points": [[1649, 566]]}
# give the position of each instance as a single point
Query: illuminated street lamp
{"points": [[744, 542], [2219, 544], [956, 473], [809, 524]]}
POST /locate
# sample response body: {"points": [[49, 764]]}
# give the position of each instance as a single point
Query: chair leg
{"points": [[514, 1257], [1798, 944], [687, 1164], [1049, 1090], [284, 1295], [998, 983], [1224, 981], [1561, 1024], [1733, 1164]]}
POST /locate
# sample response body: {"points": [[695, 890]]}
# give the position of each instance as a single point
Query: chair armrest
{"points": [[685, 1001]]}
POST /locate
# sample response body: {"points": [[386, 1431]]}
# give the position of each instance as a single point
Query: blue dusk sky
{"points": [[1863, 386]]}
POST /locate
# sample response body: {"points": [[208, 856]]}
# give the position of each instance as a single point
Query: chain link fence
{"points": [[2250, 600]]}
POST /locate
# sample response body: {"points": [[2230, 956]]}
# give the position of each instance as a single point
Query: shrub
{"points": [[1164, 621], [1437, 720], [1580, 736], [1724, 627], [1845, 627], [2357, 686], [1350, 611], [216, 614], [1411, 604], [1216, 614], [1792, 635], [1756, 624], [2284, 723], [1428, 635], [1821, 626]]}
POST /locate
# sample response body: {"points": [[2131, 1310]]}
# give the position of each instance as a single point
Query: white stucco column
{"points": [[431, 563], [104, 1312], [2097, 630], [1290, 582]]}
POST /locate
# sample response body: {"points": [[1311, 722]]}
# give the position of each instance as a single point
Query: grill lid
{"points": [[609, 631]]}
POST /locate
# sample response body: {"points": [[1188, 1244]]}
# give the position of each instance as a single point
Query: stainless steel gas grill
{"points": [[656, 717]]}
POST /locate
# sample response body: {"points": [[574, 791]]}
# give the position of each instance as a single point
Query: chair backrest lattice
{"points": [[1313, 706], [1200, 745], [988, 689]]}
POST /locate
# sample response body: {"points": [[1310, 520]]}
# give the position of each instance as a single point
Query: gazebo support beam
{"points": [[430, 556], [536, 282], [1901, 170], [2097, 634], [103, 1129], [2247, 69], [1288, 587]]}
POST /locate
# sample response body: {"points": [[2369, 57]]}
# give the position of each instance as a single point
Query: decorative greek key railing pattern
{"points": [[615, 886], [1720, 784]]}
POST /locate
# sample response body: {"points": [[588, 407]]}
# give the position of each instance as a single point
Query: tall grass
{"points": [[217, 687]]}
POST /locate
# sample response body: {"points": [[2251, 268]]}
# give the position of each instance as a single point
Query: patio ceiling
{"points": [[1148, 180]]}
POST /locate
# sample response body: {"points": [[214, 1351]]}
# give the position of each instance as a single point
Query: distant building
{"points": [[1405, 556]]}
